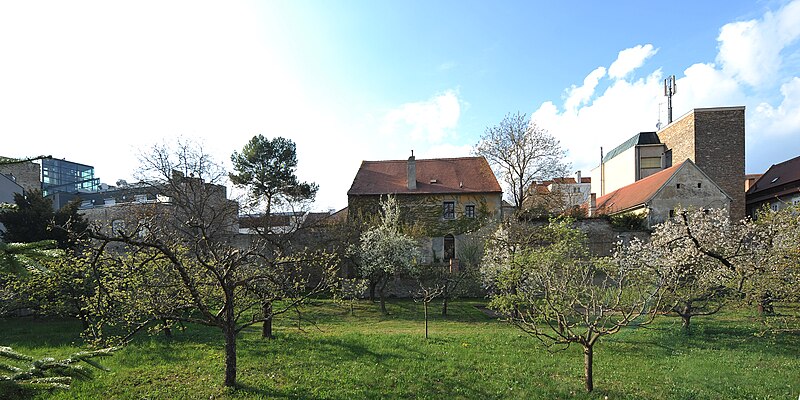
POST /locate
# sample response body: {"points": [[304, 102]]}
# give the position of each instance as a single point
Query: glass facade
{"points": [[67, 176]]}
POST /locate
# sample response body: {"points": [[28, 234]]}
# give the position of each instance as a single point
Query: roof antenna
{"points": [[658, 124], [669, 91]]}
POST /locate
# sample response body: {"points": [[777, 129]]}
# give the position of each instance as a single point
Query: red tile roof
{"points": [[636, 193], [439, 175]]}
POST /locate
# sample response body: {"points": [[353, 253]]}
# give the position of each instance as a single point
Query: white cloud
{"points": [[748, 67], [623, 109], [428, 121], [751, 50], [578, 96], [630, 59], [783, 120], [446, 66]]}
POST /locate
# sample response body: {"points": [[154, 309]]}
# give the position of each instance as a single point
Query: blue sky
{"points": [[97, 82]]}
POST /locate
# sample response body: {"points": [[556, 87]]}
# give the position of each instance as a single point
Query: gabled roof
{"points": [[438, 175], [637, 193], [641, 138], [776, 176]]}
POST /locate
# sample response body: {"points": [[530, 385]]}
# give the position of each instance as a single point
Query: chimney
{"points": [[578, 177], [592, 205], [412, 172]]}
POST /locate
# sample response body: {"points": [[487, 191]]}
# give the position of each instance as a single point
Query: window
{"points": [[469, 211], [774, 206], [678, 186], [699, 185], [796, 201], [672, 213], [650, 162], [449, 211]]}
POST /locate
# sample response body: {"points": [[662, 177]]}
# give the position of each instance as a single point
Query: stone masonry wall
{"points": [[25, 174], [720, 152], [679, 137], [713, 138]]}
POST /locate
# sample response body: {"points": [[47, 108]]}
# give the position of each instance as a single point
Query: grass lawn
{"points": [[468, 356]]}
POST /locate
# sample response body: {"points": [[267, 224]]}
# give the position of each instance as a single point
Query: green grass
{"points": [[468, 356]]}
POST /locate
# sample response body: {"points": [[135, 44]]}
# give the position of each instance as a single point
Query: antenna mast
{"points": [[669, 91]]}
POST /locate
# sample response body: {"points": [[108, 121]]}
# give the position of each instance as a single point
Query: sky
{"points": [[100, 82]]}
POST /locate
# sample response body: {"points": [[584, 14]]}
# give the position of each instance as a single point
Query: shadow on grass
{"points": [[294, 393], [668, 338], [32, 332]]}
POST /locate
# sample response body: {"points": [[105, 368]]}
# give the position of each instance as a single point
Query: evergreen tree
{"points": [[33, 219]]}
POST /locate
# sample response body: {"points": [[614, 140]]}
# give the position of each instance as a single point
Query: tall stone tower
{"points": [[713, 138]]}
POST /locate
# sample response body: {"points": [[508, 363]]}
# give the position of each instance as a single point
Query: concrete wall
{"points": [[713, 138], [7, 189]]}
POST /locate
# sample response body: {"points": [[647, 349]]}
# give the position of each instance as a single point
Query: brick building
{"points": [[713, 138]]}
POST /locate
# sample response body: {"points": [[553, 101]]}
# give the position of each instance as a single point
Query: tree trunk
{"points": [[687, 319], [372, 285], [230, 355], [588, 355], [167, 330], [382, 291], [266, 329], [426, 319], [765, 304], [686, 316], [445, 295]]}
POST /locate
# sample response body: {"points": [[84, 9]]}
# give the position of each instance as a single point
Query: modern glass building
{"points": [[67, 176]]}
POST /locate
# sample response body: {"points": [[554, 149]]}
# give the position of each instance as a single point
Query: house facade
{"points": [[443, 199], [656, 197], [777, 188]]}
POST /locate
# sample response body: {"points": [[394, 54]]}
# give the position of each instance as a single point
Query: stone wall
{"points": [[720, 152], [688, 188], [24, 174], [713, 138]]}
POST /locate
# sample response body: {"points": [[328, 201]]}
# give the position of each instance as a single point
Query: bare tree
{"points": [[430, 286], [521, 152], [185, 251], [552, 290]]}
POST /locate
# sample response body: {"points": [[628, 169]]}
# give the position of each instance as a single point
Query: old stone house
{"points": [[443, 199], [657, 196]]}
